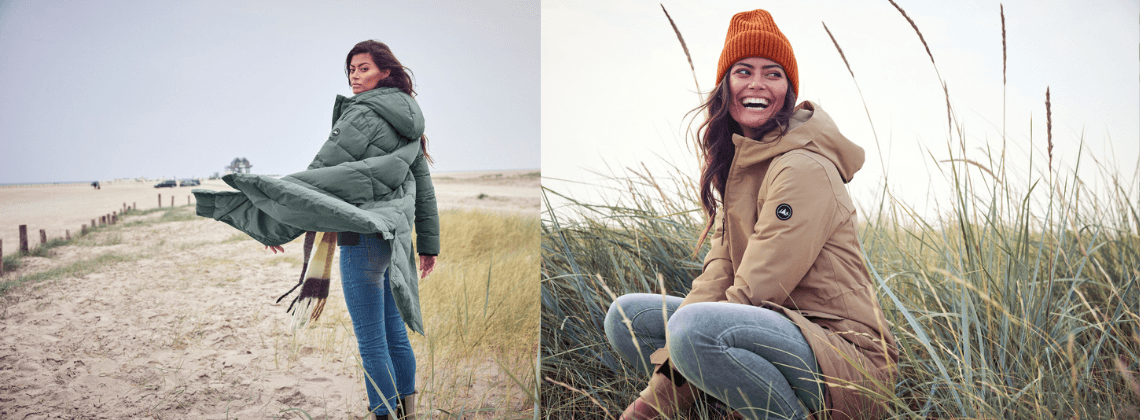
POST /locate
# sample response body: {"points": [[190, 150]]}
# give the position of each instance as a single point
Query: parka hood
{"points": [[811, 129], [391, 104]]}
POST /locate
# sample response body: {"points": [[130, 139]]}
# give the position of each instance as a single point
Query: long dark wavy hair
{"points": [[400, 76], [716, 149]]}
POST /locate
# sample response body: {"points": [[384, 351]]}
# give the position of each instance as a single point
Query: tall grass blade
{"points": [[684, 47]]}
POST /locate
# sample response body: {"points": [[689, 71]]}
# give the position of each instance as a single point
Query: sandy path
{"points": [[176, 332], [177, 320]]}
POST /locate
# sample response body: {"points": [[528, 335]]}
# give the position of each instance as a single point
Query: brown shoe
{"points": [[406, 410], [661, 399], [640, 410]]}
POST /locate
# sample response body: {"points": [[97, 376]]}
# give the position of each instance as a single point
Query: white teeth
{"points": [[758, 102]]}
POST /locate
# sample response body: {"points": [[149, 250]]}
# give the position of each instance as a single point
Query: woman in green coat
{"points": [[377, 78], [370, 182]]}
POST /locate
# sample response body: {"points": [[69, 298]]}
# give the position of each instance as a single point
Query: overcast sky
{"points": [[616, 85], [124, 89]]}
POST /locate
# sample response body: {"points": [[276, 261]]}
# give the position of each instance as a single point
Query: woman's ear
{"points": [[385, 73]]}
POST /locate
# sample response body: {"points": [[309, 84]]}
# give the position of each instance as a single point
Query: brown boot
{"points": [[662, 398], [407, 408]]}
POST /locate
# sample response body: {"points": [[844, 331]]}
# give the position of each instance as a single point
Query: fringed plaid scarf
{"points": [[315, 277]]}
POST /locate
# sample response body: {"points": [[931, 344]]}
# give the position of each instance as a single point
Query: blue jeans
{"points": [[753, 359], [384, 347]]}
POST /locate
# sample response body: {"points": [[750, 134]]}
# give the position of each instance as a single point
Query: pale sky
{"points": [[124, 89], [616, 85]]}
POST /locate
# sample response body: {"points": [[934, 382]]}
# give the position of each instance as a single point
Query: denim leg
{"points": [[754, 359], [399, 348], [363, 268], [644, 313]]}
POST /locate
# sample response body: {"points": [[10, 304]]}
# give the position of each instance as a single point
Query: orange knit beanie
{"points": [[754, 34]]}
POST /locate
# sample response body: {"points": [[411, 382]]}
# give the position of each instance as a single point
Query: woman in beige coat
{"points": [[783, 322]]}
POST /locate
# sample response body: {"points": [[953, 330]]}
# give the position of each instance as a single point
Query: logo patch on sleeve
{"points": [[783, 212]]}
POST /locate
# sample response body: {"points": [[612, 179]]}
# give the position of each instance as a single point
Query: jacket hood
{"points": [[394, 106], [811, 129]]}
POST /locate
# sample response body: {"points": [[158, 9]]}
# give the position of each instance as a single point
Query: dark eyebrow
{"points": [[761, 68]]}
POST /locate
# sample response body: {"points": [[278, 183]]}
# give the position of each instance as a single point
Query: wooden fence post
{"points": [[92, 223], [43, 237], [172, 200], [114, 217], [1, 257], [83, 230], [23, 239], [134, 205], [160, 200], [187, 200], [67, 234]]}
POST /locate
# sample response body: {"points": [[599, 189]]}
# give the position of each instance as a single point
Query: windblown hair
{"points": [[716, 148], [400, 76]]}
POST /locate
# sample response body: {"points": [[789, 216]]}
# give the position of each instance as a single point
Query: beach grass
{"points": [[1019, 299], [480, 314], [1000, 310], [73, 269]]}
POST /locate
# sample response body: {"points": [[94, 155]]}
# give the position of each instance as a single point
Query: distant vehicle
{"points": [[168, 183], [189, 183]]}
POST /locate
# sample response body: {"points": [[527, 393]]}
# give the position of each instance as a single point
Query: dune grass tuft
{"points": [[480, 314], [75, 269]]}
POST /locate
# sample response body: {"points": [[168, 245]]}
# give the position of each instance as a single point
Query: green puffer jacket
{"points": [[370, 176]]}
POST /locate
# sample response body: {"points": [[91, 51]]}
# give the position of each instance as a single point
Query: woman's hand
{"points": [[427, 264], [275, 248]]}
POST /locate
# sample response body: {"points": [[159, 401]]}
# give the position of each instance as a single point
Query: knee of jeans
{"points": [[684, 336], [613, 323], [684, 321]]}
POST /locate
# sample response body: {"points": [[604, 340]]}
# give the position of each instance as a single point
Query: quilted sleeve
{"points": [[427, 216]]}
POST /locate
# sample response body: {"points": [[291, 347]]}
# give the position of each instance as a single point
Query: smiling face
{"points": [[363, 74], [758, 86]]}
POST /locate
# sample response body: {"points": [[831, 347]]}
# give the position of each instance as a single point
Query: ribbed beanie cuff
{"points": [[754, 34]]}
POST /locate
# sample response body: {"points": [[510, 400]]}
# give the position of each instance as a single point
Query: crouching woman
{"points": [[783, 322]]}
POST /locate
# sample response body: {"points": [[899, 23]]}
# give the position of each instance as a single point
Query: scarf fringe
{"points": [[315, 279]]}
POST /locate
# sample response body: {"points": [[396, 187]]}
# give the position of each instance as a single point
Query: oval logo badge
{"points": [[783, 212], [335, 132]]}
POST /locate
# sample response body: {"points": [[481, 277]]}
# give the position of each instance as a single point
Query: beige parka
{"points": [[786, 240]]}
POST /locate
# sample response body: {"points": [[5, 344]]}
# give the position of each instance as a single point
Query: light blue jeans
{"points": [[384, 347], [753, 359]]}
